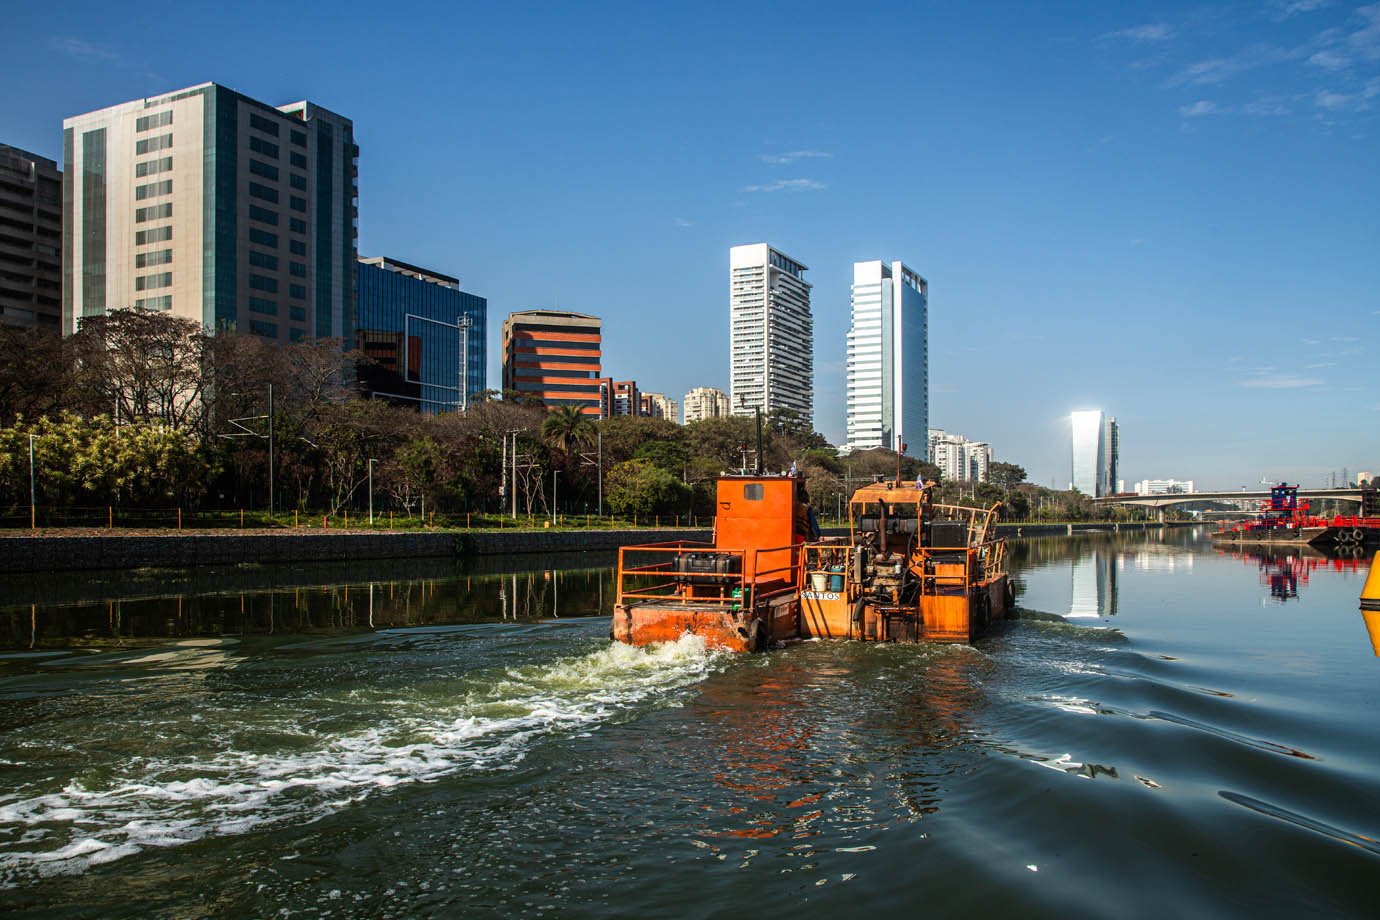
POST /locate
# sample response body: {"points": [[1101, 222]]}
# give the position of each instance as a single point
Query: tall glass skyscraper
{"points": [[1090, 453], [888, 359], [216, 207]]}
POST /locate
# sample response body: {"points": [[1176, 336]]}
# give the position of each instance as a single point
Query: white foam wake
{"points": [[492, 728]]}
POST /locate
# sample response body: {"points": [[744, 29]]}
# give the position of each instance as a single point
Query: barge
{"points": [[1285, 521], [910, 570]]}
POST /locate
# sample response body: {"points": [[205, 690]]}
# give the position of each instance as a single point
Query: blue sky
{"points": [[1167, 211]]}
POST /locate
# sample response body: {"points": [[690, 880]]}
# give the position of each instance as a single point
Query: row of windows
{"points": [[156, 120], [150, 259], [152, 167], [266, 125], [263, 237], [299, 138], [260, 168], [267, 148], [153, 189], [154, 303], [297, 268], [298, 182], [263, 215], [299, 291], [262, 283], [296, 225], [263, 260], [298, 160], [151, 144], [297, 314], [266, 307], [259, 327], [297, 204], [297, 247], [153, 212], [155, 235], [263, 192], [152, 282]]}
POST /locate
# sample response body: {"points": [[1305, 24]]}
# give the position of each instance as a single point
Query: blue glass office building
{"points": [[413, 324]]}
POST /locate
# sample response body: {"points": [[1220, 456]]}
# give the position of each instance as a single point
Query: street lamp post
{"points": [[372, 461], [599, 437], [554, 474], [33, 504]]}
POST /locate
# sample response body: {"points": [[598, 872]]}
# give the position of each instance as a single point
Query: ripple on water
{"points": [[171, 802]]}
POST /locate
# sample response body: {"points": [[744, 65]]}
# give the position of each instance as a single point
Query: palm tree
{"points": [[567, 427]]}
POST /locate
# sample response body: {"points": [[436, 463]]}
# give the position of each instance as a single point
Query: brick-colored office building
{"points": [[554, 356]]}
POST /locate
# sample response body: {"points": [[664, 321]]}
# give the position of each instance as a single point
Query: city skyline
{"points": [[1151, 187]]}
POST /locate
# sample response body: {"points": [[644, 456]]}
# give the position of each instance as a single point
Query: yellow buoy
{"points": [[1370, 594], [1372, 618]]}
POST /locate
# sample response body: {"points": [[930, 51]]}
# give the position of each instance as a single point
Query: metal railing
{"points": [[652, 573]]}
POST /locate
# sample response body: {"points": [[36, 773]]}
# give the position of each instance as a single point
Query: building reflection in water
{"points": [[1094, 578]]}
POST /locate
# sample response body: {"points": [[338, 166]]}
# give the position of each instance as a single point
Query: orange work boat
{"points": [[909, 571]]}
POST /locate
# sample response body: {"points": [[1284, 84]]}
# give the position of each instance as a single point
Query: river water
{"points": [[1166, 730]]}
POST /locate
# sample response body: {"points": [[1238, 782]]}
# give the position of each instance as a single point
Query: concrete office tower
{"points": [[771, 333], [1111, 448], [425, 336], [554, 356], [209, 205], [888, 358], [30, 240], [1089, 453], [705, 402]]}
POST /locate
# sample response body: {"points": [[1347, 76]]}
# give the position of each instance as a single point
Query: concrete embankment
{"points": [[67, 552], [122, 551]]}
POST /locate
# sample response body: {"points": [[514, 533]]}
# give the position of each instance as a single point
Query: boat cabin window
{"points": [[753, 491]]}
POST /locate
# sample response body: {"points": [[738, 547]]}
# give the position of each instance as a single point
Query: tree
{"points": [[641, 487], [145, 366], [1005, 476], [567, 427]]}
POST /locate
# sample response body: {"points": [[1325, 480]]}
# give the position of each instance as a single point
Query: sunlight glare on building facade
{"points": [[888, 358], [771, 333], [212, 206], [1089, 453], [705, 402], [1164, 487]]}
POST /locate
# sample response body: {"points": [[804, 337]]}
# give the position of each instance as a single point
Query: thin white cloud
{"points": [[83, 50], [1330, 60], [1200, 109], [1285, 9], [785, 159], [1320, 365], [1281, 382], [1146, 32], [682, 222], [787, 185]]}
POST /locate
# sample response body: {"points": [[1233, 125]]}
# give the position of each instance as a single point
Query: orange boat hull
{"points": [[732, 632]]}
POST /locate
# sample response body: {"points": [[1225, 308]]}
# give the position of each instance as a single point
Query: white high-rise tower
{"points": [[1089, 453], [888, 358], [771, 332]]}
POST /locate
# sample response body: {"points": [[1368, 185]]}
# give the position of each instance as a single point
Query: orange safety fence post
{"points": [[294, 518], [111, 510], [325, 522], [241, 519], [179, 518]]}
